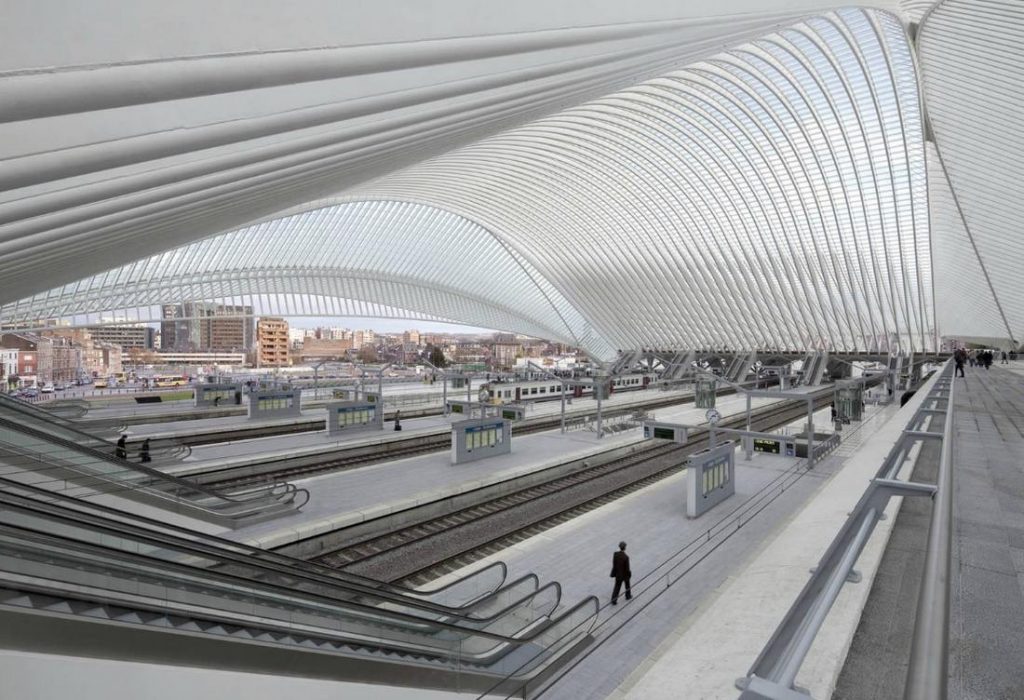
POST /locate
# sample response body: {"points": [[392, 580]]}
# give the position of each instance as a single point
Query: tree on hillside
{"points": [[368, 355], [436, 357]]}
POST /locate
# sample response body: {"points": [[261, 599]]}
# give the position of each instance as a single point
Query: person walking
{"points": [[122, 450], [621, 573], [959, 356], [398, 423], [144, 452], [1004, 360], [986, 358]]}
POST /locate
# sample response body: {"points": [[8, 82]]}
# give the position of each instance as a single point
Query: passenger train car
{"points": [[550, 389]]}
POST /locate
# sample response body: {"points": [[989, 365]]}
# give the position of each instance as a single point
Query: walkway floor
{"points": [[987, 614]]}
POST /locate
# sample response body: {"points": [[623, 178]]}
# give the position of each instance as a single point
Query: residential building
{"points": [[67, 358], [505, 349], [35, 356], [8, 366], [125, 335], [206, 326], [111, 358], [272, 341], [411, 338]]}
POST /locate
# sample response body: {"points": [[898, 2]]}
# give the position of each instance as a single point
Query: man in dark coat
{"points": [[621, 573], [122, 452]]}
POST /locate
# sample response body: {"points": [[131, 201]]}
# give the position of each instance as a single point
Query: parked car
{"points": [[30, 393], [47, 388]]}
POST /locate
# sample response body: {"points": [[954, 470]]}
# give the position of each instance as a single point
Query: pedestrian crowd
{"points": [[980, 358]]}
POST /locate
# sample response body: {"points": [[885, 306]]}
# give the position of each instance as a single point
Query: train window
{"points": [[543, 390], [533, 390]]}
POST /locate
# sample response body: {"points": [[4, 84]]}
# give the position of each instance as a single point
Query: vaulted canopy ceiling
{"points": [[738, 177]]}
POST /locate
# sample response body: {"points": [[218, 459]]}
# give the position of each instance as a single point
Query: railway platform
{"points": [[342, 498], [680, 566], [241, 451]]}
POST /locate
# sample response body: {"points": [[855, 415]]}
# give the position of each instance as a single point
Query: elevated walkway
{"points": [[987, 611]]}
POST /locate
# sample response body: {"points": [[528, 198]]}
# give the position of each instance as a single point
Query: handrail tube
{"points": [[248, 550], [824, 603], [200, 550], [778, 662], [225, 510], [929, 652], [268, 590], [156, 474], [271, 592]]}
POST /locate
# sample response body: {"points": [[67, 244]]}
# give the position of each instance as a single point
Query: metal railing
{"points": [[773, 674], [929, 653]]}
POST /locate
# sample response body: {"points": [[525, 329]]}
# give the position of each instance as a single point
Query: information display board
{"points": [[480, 439], [782, 446], [665, 431], [347, 416], [344, 394], [274, 403], [710, 478], [217, 395], [461, 408], [511, 411]]}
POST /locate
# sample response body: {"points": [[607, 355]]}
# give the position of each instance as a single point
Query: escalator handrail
{"points": [[140, 468], [228, 513], [247, 548], [269, 590], [100, 524]]}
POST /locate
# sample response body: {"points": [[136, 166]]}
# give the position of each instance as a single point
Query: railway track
{"points": [[286, 468], [422, 551]]}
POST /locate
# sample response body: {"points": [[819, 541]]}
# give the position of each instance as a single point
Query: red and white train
{"points": [[550, 389]]}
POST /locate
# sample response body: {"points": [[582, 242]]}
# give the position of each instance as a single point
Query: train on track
{"points": [[551, 389]]}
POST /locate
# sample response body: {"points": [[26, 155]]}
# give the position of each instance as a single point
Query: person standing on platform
{"points": [[986, 358], [398, 424], [1004, 360], [621, 573], [958, 357], [122, 450], [144, 452]]}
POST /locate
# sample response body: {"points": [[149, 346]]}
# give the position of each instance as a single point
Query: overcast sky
{"points": [[380, 325]]}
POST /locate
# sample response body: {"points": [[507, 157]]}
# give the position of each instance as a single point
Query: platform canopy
{"points": [[741, 174]]}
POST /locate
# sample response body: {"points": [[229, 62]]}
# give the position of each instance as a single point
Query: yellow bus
{"points": [[170, 381]]}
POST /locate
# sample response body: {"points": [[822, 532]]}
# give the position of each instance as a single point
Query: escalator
{"points": [[58, 457], [78, 564]]}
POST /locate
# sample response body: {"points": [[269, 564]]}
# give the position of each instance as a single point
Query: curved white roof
{"points": [[779, 193]]}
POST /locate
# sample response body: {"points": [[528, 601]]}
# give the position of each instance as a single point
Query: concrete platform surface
{"points": [[707, 652], [354, 495], [678, 564]]}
